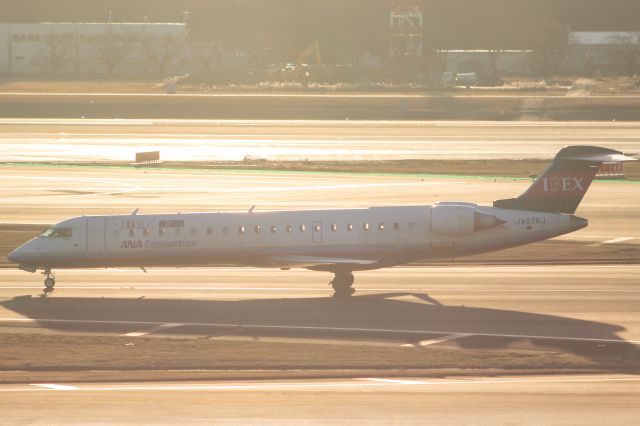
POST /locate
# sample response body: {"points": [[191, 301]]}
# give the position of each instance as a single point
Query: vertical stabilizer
{"points": [[562, 186]]}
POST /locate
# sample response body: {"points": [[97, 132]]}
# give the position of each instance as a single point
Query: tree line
{"points": [[346, 28]]}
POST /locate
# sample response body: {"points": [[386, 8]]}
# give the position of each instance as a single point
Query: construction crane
{"points": [[301, 70]]}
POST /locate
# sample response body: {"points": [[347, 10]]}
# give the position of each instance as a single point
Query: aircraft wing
{"points": [[322, 263]]}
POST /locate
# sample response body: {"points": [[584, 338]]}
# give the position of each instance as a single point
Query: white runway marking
{"points": [[323, 290], [356, 383], [155, 329], [395, 271], [617, 240], [429, 342], [319, 328], [52, 386], [395, 381], [316, 123]]}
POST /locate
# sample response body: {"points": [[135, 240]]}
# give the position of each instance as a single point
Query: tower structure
{"points": [[405, 28]]}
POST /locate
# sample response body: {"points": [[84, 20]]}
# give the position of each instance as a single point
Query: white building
{"points": [[94, 48], [486, 62], [602, 52]]}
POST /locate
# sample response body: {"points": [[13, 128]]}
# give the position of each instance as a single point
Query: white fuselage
{"points": [[352, 239]]}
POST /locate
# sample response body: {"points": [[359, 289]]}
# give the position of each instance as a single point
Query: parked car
{"points": [[466, 79]]}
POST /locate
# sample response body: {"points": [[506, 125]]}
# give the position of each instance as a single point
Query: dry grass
{"points": [[43, 355]]}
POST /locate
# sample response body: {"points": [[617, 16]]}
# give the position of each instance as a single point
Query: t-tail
{"points": [[561, 187]]}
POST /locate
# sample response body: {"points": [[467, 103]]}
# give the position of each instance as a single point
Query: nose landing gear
{"points": [[342, 283], [49, 281]]}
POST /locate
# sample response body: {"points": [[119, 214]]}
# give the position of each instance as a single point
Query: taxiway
{"points": [[217, 140]]}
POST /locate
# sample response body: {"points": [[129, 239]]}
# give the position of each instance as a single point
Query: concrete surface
{"points": [[216, 140], [565, 400]]}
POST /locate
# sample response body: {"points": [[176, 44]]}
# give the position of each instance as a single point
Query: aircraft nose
{"points": [[14, 256]]}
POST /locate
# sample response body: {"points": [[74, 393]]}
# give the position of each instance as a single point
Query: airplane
{"points": [[339, 241]]}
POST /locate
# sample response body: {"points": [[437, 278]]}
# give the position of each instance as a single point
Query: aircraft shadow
{"points": [[378, 317]]}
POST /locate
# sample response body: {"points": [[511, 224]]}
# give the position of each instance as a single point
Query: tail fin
{"points": [[561, 187]]}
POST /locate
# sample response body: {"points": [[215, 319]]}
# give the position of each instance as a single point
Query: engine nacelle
{"points": [[458, 220]]}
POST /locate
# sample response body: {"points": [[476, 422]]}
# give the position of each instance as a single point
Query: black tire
{"points": [[342, 283], [349, 278], [49, 283]]}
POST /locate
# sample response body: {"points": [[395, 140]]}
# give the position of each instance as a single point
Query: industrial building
{"points": [[94, 48], [602, 53]]}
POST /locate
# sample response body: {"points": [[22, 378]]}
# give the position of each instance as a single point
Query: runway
{"points": [[567, 400], [219, 140]]}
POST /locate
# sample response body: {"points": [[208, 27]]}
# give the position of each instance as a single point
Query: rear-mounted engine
{"points": [[455, 220]]}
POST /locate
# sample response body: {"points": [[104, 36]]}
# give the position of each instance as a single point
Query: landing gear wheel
{"points": [[49, 282], [342, 283]]}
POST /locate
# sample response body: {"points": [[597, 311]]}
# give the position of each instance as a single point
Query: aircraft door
{"points": [[96, 243], [316, 232]]}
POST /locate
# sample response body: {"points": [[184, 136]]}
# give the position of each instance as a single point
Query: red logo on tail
{"points": [[562, 184]]}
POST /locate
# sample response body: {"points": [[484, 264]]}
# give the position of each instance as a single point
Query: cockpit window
{"points": [[57, 233]]}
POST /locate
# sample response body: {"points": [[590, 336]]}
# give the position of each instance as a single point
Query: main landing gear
{"points": [[49, 281], [342, 283]]}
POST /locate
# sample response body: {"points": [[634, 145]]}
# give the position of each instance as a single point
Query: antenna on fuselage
{"points": [[251, 209], [135, 212]]}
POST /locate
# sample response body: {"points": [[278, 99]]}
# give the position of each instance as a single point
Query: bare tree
{"points": [[56, 50], [442, 57], [206, 55], [549, 41], [627, 51], [162, 52], [111, 49], [494, 55]]}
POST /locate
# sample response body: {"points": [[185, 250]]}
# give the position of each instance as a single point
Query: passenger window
{"points": [[334, 227], [161, 231], [257, 229], [303, 228], [350, 227], [241, 230], [381, 226], [289, 229], [273, 229], [145, 232], [209, 231], [317, 228], [396, 226], [365, 226], [132, 233]]}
